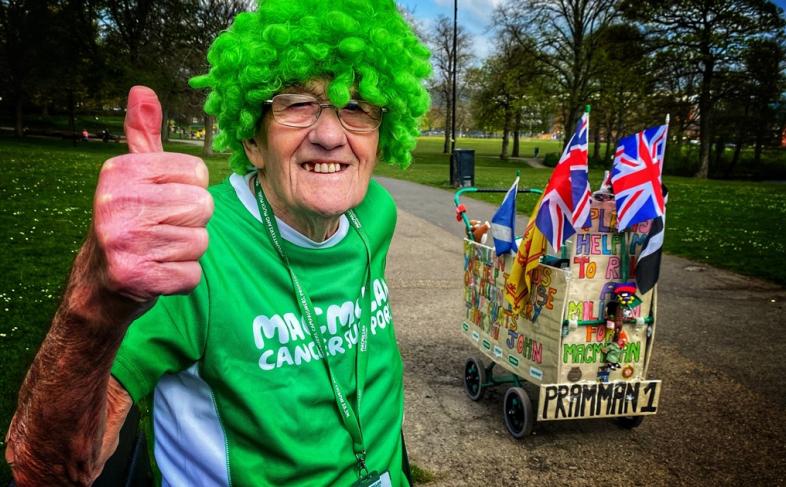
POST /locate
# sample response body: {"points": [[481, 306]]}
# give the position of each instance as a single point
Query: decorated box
{"points": [[567, 338]]}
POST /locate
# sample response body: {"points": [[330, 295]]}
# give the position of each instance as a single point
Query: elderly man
{"points": [[270, 356]]}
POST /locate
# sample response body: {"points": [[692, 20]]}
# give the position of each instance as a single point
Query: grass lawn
{"points": [[46, 187], [731, 224]]}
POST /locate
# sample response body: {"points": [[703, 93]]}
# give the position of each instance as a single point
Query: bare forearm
{"points": [[57, 433], [150, 211]]}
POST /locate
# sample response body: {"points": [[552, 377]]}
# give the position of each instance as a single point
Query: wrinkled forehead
{"points": [[316, 87]]}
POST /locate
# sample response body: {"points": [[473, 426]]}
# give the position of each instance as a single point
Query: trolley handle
{"points": [[461, 211]]}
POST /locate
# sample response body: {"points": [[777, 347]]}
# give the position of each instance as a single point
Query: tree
{"points": [[564, 31], [621, 86], [24, 25], [765, 61], [508, 86], [441, 84], [164, 43], [212, 17], [711, 35]]}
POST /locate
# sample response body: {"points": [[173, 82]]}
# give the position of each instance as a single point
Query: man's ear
{"points": [[252, 149]]}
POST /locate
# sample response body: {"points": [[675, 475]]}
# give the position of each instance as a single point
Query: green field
{"points": [[730, 224], [46, 188]]}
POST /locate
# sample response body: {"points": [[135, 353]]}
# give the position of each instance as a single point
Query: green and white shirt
{"points": [[241, 396]]}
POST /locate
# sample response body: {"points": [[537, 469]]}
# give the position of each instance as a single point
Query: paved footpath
{"points": [[719, 350]]}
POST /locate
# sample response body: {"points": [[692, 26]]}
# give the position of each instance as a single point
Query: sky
{"points": [[474, 15]]}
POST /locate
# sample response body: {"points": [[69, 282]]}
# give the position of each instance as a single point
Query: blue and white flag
{"points": [[503, 223]]}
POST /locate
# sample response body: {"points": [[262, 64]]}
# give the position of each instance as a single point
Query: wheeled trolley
{"points": [[581, 341]]}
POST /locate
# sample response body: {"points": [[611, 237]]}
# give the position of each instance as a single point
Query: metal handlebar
{"points": [[461, 211]]}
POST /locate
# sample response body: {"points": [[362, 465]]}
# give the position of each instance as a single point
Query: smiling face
{"points": [[313, 175]]}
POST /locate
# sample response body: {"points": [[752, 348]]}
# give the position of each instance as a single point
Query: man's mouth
{"points": [[324, 167]]}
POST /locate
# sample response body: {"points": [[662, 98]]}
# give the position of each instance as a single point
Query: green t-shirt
{"points": [[240, 395]]}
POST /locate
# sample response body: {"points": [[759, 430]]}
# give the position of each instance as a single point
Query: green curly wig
{"points": [[354, 44]]}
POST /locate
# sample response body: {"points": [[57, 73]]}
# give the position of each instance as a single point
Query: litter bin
{"points": [[463, 167]]}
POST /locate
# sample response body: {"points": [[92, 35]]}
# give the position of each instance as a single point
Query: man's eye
{"points": [[354, 107], [303, 105]]}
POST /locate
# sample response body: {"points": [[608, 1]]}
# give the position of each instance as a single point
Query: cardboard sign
{"points": [[545, 344], [527, 348], [598, 400]]}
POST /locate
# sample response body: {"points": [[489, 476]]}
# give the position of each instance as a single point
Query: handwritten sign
{"points": [[598, 400]]}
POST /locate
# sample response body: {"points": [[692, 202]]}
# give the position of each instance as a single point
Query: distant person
{"points": [[85, 135]]}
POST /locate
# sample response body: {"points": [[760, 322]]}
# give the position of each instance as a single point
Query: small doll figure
{"points": [[615, 315], [613, 355]]}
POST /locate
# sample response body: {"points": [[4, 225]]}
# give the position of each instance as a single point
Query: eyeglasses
{"points": [[301, 110]]}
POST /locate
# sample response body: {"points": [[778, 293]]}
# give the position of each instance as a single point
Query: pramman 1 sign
{"points": [[597, 400]]}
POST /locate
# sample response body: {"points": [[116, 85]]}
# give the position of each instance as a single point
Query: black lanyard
{"points": [[349, 418]]}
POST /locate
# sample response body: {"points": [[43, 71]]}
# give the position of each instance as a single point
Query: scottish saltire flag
{"points": [[566, 199], [503, 223], [648, 264], [636, 176]]}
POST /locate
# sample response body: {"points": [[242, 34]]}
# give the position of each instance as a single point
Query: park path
{"points": [[722, 415]]}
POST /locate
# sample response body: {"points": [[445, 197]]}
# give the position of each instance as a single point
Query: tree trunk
{"points": [[735, 158], [516, 133], [719, 145], [570, 125], [71, 112], [738, 139], [207, 149], [705, 115], [165, 123], [607, 153], [19, 116], [761, 128], [757, 149], [618, 129], [446, 147], [505, 135], [596, 138]]}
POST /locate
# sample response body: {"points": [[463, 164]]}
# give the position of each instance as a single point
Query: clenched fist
{"points": [[150, 210]]}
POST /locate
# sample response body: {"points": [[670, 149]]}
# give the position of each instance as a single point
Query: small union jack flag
{"points": [[636, 176], [566, 200]]}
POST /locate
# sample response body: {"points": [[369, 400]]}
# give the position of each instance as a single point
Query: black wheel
{"points": [[518, 413], [629, 422], [474, 378]]}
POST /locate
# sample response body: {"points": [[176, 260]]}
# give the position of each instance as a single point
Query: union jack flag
{"points": [[566, 200], [636, 176]]}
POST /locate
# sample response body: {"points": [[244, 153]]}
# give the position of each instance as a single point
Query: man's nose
{"points": [[328, 132]]}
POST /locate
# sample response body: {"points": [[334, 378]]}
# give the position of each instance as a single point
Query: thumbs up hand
{"points": [[150, 210]]}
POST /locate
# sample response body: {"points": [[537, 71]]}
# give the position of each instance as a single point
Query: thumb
{"points": [[143, 121]]}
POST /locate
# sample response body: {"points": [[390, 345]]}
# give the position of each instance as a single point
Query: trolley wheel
{"points": [[629, 422], [517, 412], [474, 378]]}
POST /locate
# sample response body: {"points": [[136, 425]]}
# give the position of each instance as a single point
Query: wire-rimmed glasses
{"points": [[302, 110]]}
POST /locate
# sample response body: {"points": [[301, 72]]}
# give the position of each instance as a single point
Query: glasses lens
{"points": [[295, 110], [360, 115]]}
